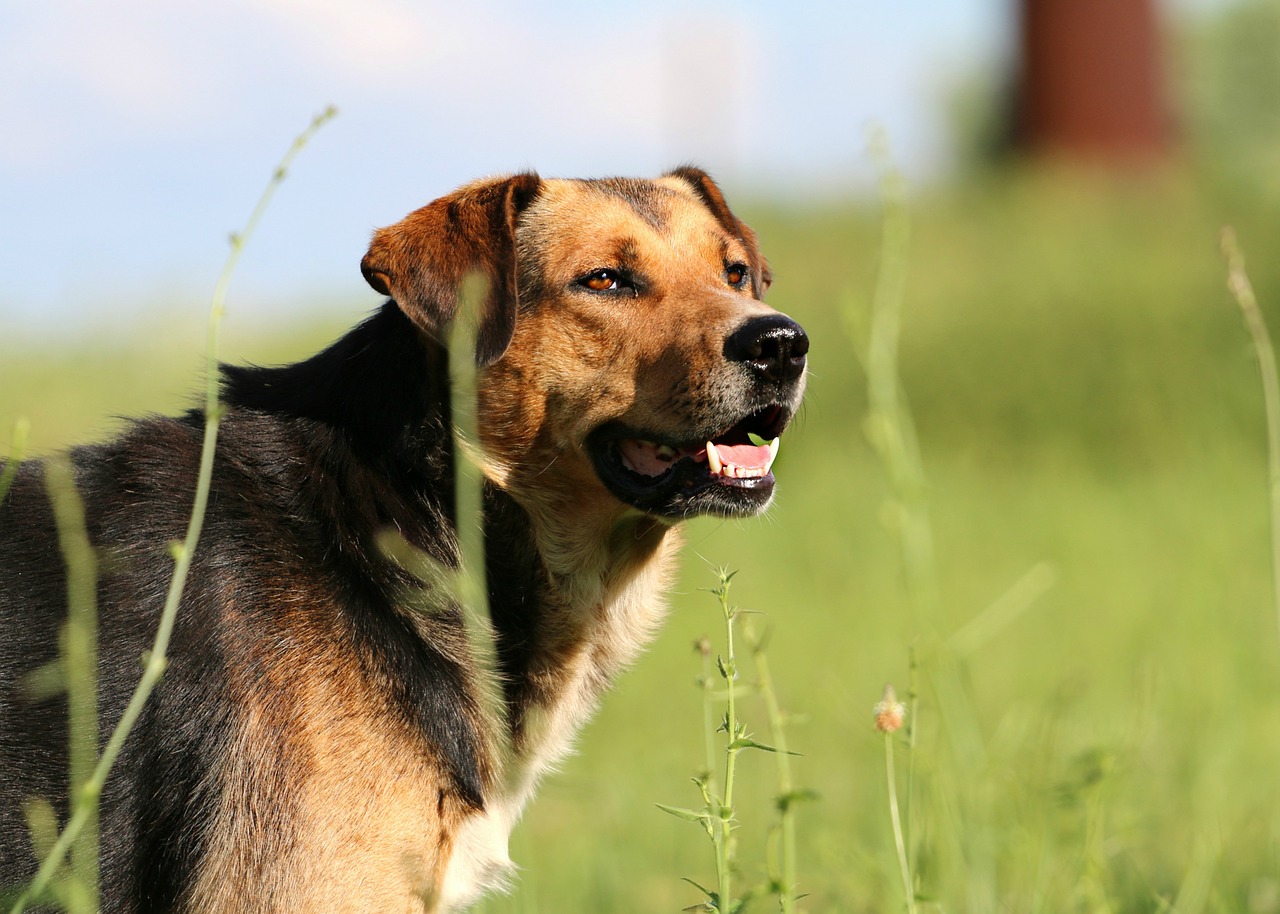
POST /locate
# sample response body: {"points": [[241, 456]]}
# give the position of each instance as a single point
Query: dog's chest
{"points": [[480, 861]]}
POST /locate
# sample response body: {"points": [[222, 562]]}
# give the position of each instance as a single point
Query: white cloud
{"points": [[68, 71], [376, 41]]}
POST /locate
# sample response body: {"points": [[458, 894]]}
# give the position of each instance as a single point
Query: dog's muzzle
{"points": [[722, 465]]}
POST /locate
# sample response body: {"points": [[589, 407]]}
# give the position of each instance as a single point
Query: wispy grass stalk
{"points": [[446, 588], [17, 453], [889, 716], [78, 666], [1242, 291], [472, 589], [891, 432], [85, 802], [913, 718], [889, 424], [783, 879]]}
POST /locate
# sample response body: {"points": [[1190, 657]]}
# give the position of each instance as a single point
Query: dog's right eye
{"points": [[603, 281]]}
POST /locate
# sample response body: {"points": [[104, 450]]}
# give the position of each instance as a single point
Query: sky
{"points": [[137, 134]]}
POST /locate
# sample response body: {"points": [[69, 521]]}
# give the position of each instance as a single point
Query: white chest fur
{"points": [[480, 861], [619, 624]]}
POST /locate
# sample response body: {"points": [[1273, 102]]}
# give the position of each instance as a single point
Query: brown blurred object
{"points": [[1092, 81]]}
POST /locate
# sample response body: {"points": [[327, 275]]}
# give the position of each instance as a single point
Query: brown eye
{"points": [[736, 274], [601, 281]]}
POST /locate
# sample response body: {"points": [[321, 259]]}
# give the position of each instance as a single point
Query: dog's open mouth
{"points": [[729, 473]]}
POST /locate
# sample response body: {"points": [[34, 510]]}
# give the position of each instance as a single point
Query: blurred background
{"points": [[1098, 661]]}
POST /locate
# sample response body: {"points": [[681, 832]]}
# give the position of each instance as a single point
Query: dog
{"points": [[317, 743]]}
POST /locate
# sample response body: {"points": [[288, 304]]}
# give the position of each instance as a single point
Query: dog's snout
{"points": [[774, 347]]}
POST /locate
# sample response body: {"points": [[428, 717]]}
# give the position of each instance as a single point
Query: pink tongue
{"points": [[744, 455], [642, 457]]}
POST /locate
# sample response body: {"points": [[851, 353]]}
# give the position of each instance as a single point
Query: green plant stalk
{"points": [[889, 424], [79, 660], [891, 432], [1242, 291], [913, 715], [17, 451], [724, 849], [85, 803], [786, 787], [899, 843], [472, 589], [708, 716]]}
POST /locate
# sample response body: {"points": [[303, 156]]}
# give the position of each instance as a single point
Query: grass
{"points": [[1084, 397], [77, 843]]}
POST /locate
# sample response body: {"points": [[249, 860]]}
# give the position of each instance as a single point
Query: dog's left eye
{"points": [[604, 281], [737, 274]]}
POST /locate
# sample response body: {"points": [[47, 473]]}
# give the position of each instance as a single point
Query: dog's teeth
{"points": [[713, 459], [773, 453], [665, 452]]}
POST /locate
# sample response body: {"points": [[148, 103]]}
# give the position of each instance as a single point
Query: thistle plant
{"points": [[718, 816]]}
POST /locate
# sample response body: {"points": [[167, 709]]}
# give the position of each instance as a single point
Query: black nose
{"points": [[774, 347]]}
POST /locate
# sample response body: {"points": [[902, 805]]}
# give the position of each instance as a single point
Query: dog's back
{"points": [[286, 599], [324, 737]]}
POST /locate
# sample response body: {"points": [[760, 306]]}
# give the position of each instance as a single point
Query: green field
{"points": [[1086, 398]]}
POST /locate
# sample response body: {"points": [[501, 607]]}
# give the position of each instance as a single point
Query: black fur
{"points": [[314, 460]]}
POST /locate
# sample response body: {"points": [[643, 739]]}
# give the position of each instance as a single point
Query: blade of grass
{"points": [[1242, 291], [787, 794], [85, 803], [17, 452], [472, 587], [79, 666]]}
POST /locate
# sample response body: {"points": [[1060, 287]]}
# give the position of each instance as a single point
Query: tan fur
{"points": [[327, 805], [359, 818]]}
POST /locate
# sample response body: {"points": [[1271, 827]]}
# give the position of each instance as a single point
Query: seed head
{"points": [[889, 712]]}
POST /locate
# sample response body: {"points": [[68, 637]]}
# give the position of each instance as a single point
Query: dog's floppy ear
{"points": [[421, 260], [709, 193]]}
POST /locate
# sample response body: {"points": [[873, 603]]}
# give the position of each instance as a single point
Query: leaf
{"points": [[711, 904], [746, 743], [728, 668], [681, 813], [701, 888]]}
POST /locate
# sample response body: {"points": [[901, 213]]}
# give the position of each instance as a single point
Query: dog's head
{"points": [[627, 356]]}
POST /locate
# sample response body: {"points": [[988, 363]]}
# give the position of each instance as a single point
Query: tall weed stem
{"points": [[788, 796], [17, 452], [85, 803], [728, 666], [889, 714], [1242, 291]]}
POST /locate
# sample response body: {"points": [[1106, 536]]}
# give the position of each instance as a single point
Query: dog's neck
{"points": [[571, 599], [574, 594]]}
